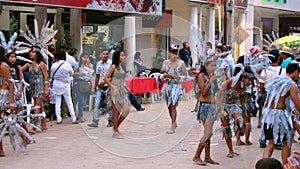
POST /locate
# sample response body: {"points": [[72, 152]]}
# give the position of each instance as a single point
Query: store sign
{"points": [[241, 3], [153, 7], [164, 21], [274, 2]]}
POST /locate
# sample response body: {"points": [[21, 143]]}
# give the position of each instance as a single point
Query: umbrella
{"points": [[289, 41]]}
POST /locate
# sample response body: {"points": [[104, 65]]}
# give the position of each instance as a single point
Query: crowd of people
{"points": [[261, 81]]}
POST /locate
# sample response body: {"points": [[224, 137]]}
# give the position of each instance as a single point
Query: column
{"points": [[129, 41], [40, 15], [192, 40], [76, 29], [249, 26], [211, 25], [242, 23]]}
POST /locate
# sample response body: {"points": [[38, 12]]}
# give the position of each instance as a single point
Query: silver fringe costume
{"points": [[278, 119], [172, 89], [118, 92]]}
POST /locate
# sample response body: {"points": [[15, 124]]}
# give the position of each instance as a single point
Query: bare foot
{"points": [[199, 161], [209, 160], [240, 143]]}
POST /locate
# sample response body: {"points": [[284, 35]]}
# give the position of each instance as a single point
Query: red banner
{"points": [[133, 6]]}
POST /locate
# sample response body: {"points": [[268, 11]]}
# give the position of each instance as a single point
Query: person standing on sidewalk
{"points": [[100, 87], [185, 53], [207, 113], [61, 73], [115, 78], [174, 71]]}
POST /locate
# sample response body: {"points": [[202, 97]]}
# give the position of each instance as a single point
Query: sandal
{"points": [[117, 135], [248, 143], [170, 131], [232, 154], [240, 143]]}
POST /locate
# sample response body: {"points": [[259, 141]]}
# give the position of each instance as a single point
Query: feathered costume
{"points": [[277, 120], [10, 120]]}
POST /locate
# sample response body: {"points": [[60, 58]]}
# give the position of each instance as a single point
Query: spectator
{"points": [[268, 163], [185, 53], [61, 73]]}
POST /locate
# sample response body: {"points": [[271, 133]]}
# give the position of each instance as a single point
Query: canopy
{"points": [[289, 41]]}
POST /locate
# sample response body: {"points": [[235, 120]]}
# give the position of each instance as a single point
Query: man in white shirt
{"points": [[100, 86], [61, 73]]}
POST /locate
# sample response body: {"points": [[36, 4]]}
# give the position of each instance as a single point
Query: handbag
{"points": [[84, 86]]}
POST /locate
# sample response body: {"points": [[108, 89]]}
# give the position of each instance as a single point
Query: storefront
{"points": [[93, 24]]}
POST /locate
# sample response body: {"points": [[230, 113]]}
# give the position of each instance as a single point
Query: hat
{"points": [[254, 49], [174, 47], [287, 51]]}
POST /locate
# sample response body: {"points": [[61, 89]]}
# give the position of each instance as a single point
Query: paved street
{"points": [[146, 145]]}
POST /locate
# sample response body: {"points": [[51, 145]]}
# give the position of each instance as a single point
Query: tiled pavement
{"points": [[146, 145]]}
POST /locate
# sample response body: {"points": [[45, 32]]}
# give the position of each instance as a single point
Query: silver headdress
{"points": [[259, 63], [9, 47], [40, 41]]}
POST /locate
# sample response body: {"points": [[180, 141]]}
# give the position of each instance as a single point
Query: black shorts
{"points": [[269, 132]]}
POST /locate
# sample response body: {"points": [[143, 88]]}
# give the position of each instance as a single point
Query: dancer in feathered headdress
{"points": [[40, 41], [38, 44]]}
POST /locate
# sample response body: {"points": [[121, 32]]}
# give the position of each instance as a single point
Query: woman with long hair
{"points": [[83, 72], [6, 89], [207, 113], [38, 81], [174, 72], [115, 78]]}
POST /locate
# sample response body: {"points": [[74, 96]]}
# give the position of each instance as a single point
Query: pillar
{"points": [[129, 41], [76, 29], [40, 15], [211, 25], [192, 40], [249, 26]]}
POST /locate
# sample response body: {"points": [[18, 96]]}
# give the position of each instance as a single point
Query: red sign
{"points": [[133, 6]]}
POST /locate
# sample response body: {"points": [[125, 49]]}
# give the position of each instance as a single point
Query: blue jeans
{"points": [[100, 96], [135, 103], [81, 101]]}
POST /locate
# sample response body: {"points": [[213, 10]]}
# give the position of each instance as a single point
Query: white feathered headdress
{"points": [[9, 47], [40, 41]]}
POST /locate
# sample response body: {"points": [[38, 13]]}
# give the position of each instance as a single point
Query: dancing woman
{"points": [[174, 72], [115, 78], [38, 80], [6, 90], [235, 95], [207, 111]]}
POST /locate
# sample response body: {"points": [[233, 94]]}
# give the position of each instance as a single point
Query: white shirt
{"points": [[62, 77], [70, 59], [269, 75], [102, 69]]}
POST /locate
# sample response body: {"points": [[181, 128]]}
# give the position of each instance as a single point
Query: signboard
{"points": [[153, 7], [241, 3], [164, 21], [240, 35]]}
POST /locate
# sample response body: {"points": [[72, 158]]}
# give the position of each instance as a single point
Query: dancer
{"points": [[38, 81], [275, 119], [115, 78], [207, 113], [6, 91], [235, 94], [174, 72]]}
